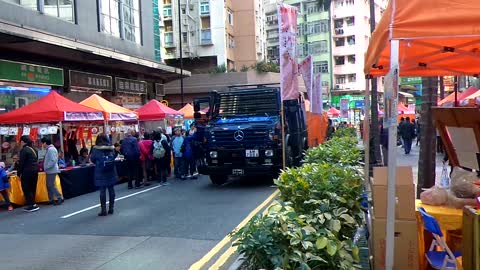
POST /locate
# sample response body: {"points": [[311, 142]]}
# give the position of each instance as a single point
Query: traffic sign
{"points": [[164, 102]]}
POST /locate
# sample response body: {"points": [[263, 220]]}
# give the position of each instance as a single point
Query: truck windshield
{"points": [[248, 103]]}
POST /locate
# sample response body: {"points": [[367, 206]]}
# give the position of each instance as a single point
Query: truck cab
{"points": [[242, 132]]}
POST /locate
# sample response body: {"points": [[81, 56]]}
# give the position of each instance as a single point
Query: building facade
{"points": [[313, 37], [78, 48], [214, 33]]}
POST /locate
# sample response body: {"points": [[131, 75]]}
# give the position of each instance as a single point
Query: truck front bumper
{"points": [[248, 170]]}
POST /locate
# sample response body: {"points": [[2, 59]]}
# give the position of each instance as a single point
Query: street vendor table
{"points": [[449, 219], [15, 191], [77, 181]]}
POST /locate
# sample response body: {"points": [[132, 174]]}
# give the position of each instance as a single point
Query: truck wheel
{"points": [[218, 179]]}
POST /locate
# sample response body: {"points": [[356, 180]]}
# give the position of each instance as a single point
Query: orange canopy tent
{"points": [[187, 111], [436, 37], [154, 110], [111, 111]]}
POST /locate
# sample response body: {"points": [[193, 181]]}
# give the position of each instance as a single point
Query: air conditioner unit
{"points": [[191, 6], [159, 90], [338, 86]]}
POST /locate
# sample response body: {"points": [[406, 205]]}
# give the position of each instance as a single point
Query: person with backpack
{"points": [[178, 148], [28, 172], [146, 157], [131, 152], [103, 156], [162, 156]]}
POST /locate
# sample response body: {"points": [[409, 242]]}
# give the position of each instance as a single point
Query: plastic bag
{"points": [[434, 196], [462, 183], [445, 177]]}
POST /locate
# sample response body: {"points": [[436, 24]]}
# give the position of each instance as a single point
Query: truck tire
{"points": [[218, 179]]}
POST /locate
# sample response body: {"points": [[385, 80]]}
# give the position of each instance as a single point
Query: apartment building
{"points": [[78, 48], [350, 38], [313, 37], [214, 33]]}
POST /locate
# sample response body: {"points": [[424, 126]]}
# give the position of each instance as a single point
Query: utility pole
{"points": [[374, 130], [181, 49]]}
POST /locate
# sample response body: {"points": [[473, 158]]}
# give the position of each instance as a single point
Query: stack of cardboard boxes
{"points": [[406, 236]]}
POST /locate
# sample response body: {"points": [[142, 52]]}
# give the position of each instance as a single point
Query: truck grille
{"points": [[240, 137]]}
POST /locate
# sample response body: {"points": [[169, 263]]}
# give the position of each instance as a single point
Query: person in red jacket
{"points": [[146, 157]]}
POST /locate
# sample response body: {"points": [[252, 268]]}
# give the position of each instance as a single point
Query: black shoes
{"points": [[31, 208], [58, 202]]}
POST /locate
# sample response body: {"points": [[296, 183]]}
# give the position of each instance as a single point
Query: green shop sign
{"points": [[410, 80], [24, 72]]}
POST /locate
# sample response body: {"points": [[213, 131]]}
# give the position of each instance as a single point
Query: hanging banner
{"points": [[306, 69], [390, 98], [287, 24], [123, 116], [317, 95], [344, 108], [83, 116]]}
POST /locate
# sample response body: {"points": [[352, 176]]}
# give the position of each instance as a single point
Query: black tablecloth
{"points": [[77, 181], [121, 167]]}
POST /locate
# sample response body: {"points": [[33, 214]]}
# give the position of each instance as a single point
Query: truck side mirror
{"points": [[196, 107], [197, 115]]}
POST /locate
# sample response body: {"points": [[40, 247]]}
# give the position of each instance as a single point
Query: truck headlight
{"points": [[213, 154], [269, 153]]}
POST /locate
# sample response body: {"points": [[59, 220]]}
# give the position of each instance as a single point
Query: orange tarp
{"points": [[187, 111], [437, 37], [111, 111], [316, 128]]}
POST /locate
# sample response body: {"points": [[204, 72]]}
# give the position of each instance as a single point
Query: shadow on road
{"points": [[242, 183]]}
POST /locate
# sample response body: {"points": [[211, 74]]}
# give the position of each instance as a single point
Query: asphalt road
{"points": [[166, 227]]}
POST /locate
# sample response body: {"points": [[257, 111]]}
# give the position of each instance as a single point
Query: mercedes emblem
{"points": [[238, 135]]}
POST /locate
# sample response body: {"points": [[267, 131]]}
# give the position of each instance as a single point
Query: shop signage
{"points": [[24, 72], [410, 80], [83, 116], [130, 86], [164, 102], [86, 80]]}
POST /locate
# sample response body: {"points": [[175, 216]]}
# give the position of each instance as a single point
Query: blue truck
{"points": [[242, 132]]}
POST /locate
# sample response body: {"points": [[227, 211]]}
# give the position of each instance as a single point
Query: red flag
{"points": [[287, 23]]}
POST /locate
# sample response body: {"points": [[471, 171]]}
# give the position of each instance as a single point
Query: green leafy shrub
{"points": [[339, 150], [345, 132]]}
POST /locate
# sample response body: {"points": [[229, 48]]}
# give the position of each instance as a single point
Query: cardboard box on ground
{"points": [[406, 236]]}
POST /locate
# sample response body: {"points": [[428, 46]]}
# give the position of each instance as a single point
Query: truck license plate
{"points": [[251, 153], [237, 171]]}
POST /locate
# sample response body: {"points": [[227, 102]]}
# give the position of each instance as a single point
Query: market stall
{"points": [[409, 41], [449, 101], [15, 192], [154, 114], [44, 117]]}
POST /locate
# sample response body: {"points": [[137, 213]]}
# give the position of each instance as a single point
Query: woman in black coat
{"points": [[28, 172], [103, 156]]}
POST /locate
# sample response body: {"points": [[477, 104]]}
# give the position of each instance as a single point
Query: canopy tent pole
{"points": [[392, 155], [61, 137], [366, 133]]}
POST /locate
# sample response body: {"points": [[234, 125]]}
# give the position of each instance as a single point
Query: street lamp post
{"points": [[181, 49]]}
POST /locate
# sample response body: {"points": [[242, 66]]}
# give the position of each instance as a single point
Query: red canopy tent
{"points": [[51, 108], [450, 99], [333, 111], [154, 110]]}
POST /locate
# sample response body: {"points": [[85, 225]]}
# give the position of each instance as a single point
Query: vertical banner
{"points": [[287, 26], [390, 99], [306, 69], [344, 108], [317, 95]]}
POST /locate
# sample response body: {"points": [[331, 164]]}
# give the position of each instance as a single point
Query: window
{"points": [[349, 2], [339, 42], [272, 19], [156, 31], [352, 78], [33, 4], [230, 16], [338, 23], [320, 67], [63, 9], [351, 40], [206, 37], [231, 41], [184, 38], [272, 34], [339, 60], [350, 21], [131, 21], [110, 17], [323, 46], [204, 8], [302, 50], [324, 26], [339, 3], [351, 59], [325, 83], [313, 8], [340, 79], [167, 11], [168, 39]]}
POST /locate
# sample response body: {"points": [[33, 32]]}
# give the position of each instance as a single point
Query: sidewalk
{"points": [[412, 160]]}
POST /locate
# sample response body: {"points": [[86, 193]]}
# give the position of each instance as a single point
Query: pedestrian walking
{"points": [[399, 131], [103, 156], [162, 156], [28, 172], [50, 166], [330, 129], [146, 157], [4, 185], [189, 155], [131, 152], [178, 149], [418, 130], [384, 143], [407, 133]]}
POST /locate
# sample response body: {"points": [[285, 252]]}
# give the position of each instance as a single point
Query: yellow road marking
{"points": [[205, 259]]}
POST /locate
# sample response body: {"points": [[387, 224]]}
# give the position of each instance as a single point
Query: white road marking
{"points": [[117, 199]]}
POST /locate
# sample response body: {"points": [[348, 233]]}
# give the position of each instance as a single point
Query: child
{"points": [[4, 184]]}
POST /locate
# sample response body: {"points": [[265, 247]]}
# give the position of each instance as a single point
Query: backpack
{"points": [[158, 150], [108, 162]]}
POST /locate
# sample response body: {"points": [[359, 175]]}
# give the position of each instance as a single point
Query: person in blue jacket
{"points": [[103, 156], [4, 184]]}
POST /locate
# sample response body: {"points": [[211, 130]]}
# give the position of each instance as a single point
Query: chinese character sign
{"points": [[317, 99], [344, 106], [287, 22], [306, 69]]}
